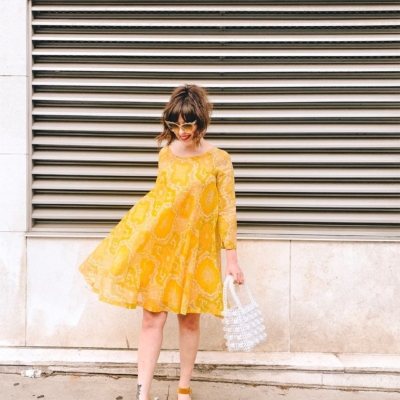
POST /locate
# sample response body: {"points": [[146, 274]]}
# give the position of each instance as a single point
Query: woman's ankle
{"points": [[184, 384]]}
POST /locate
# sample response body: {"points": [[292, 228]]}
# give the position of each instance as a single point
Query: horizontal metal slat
{"points": [[311, 189], [85, 200], [229, 7], [245, 231], [320, 218], [264, 23], [113, 99], [292, 8], [92, 185], [317, 204], [277, 159], [218, 84], [318, 174], [301, 113], [304, 129], [241, 202], [241, 145], [318, 189], [232, 39], [355, 232], [95, 171], [257, 217], [216, 53], [93, 156], [286, 174], [69, 126], [205, 68]]}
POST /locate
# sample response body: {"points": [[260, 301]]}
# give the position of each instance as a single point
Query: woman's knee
{"points": [[154, 320], [190, 322]]}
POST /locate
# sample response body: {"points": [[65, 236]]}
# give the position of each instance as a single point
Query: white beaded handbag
{"points": [[243, 324]]}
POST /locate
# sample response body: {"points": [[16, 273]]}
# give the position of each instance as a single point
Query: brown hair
{"points": [[191, 102]]}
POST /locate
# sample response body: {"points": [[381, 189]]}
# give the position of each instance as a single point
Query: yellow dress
{"points": [[164, 255]]}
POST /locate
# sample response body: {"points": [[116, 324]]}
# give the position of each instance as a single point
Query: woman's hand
{"points": [[234, 270], [232, 267]]}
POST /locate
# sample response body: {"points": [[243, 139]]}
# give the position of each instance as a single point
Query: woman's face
{"points": [[184, 136]]}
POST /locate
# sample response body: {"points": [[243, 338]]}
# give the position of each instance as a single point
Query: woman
{"points": [[164, 255]]}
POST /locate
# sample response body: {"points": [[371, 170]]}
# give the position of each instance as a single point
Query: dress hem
{"points": [[133, 306]]}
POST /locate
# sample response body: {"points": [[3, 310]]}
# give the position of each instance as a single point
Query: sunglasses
{"points": [[187, 127]]}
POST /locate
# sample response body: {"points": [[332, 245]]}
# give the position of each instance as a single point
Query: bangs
{"points": [[191, 103], [183, 108]]}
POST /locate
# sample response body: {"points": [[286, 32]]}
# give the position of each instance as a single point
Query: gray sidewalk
{"points": [[103, 387]]}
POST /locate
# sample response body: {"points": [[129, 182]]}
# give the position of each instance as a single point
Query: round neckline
{"points": [[198, 155]]}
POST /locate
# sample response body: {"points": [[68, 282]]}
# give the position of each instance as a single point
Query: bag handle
{"points": [[228, 283]]}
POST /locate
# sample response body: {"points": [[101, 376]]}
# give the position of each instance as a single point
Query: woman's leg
{"points": [[189, 335], [150, 341]]}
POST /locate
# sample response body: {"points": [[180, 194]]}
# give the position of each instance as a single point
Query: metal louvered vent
{"points": [[306, 101]]}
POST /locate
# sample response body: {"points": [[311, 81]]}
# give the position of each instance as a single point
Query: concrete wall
{"points": [[13, 150], [316, 296]]}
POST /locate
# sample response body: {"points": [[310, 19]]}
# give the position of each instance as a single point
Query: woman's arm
{"points": [[227, 224]]}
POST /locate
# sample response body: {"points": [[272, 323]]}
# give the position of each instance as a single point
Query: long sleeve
{"points": [[227, 224]]}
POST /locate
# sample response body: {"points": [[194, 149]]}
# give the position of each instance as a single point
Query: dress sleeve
{"points": [[161, 158], [227, 224]]}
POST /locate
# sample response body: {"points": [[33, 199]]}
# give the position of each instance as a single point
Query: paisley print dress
{"points": [[164, 255]]}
